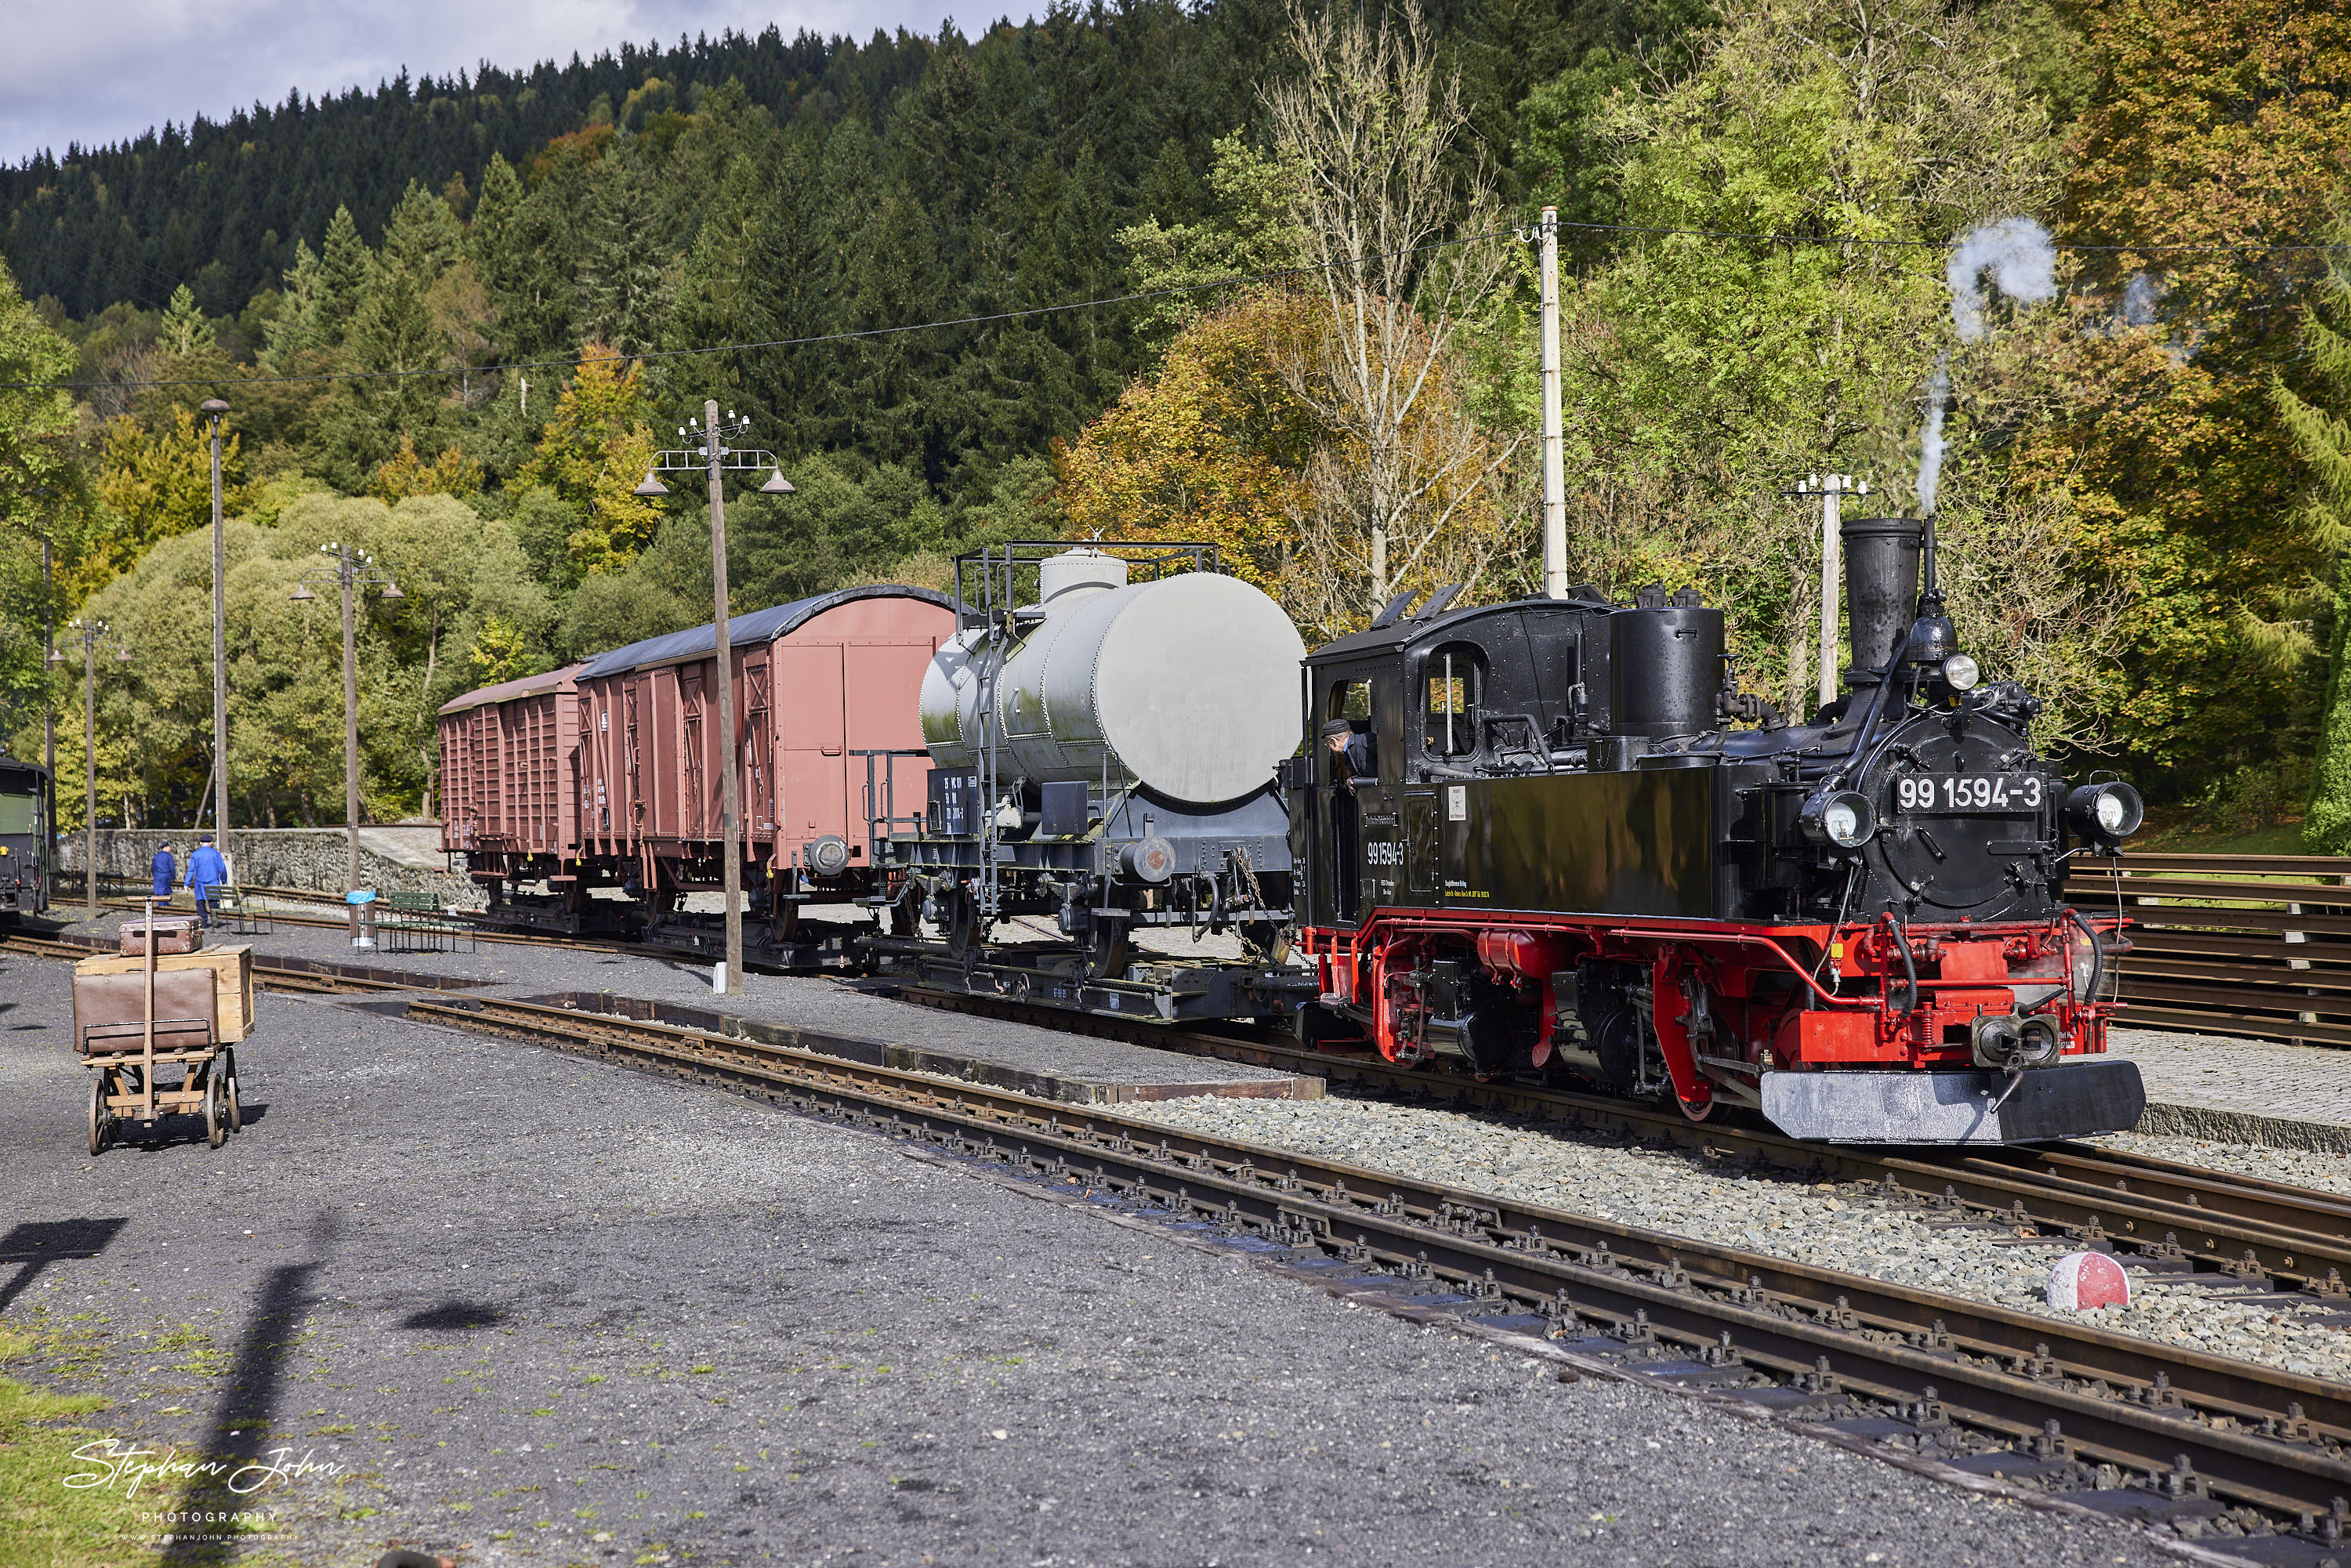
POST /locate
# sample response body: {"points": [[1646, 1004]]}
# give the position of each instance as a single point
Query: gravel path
{"points": [[1837, 1227], [543, 1312]]}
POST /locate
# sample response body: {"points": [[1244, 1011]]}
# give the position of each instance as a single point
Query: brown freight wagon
{"points": [[631, 736]]}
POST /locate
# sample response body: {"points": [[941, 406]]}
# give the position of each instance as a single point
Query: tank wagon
{"points": [[602, 780], [1101, 732], [26, 814], [1566, 854]]}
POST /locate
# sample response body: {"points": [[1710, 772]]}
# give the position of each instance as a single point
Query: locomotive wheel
{"points": [[1695, 1112]]}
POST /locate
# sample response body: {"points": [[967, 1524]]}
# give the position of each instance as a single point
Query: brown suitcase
{"points": [[109, 1011], [174, 933], [231, 967]]}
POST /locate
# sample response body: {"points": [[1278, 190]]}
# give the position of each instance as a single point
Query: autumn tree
{"points": [[594, 453], [1371, 124], [2218, 133]]}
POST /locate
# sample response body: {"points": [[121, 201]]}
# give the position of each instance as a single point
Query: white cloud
{"points": [[99, 74]]}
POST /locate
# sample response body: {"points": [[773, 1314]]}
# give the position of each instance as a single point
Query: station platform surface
{"points": [[1070, 1068], [2242, 1090]]}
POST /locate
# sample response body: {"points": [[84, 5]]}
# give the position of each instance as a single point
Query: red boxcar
{"points": [[509, 794], [636, 801]]}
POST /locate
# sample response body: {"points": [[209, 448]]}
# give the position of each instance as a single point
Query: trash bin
{"points": [[362, 904]]}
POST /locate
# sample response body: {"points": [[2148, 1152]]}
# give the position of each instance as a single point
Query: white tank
{"points": [[1187, 685]]}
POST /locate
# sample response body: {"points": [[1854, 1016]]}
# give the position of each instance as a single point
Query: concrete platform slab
{"points": [[2242, 1090]]}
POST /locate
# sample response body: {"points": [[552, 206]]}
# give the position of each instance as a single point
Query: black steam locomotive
{"points": [[1551, 834]]}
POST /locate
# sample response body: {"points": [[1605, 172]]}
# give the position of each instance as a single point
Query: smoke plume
{"points": [[2022, 261], [2017, 252], [1930, 444]]}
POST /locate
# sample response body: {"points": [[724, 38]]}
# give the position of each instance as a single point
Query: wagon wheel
{"points": [[101, 1123], [215, 1125], [228, 1092], [1108, 954], [959, 922]]}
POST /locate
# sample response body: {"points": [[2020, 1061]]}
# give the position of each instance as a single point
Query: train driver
{"points": [[1358, 749]]}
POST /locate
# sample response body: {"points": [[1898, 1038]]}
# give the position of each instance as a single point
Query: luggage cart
{"points": [[137, 1018]]}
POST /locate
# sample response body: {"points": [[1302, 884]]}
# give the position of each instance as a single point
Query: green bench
{"points": [[413, 923], [245, 917]]}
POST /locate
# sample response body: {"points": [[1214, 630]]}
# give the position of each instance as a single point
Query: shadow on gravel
{"points": [[248, 1401], [454, 1315], [33, 1244]]}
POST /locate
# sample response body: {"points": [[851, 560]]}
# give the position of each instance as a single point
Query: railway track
{"points": [[278, 974], [2169, 1214], [2121, 1426]]}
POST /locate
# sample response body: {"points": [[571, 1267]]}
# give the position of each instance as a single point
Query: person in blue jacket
{"points": [[207, 873], [164, 868]]}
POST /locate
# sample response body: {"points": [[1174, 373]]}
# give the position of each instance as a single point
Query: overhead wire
{"points": [[1169, 291]]}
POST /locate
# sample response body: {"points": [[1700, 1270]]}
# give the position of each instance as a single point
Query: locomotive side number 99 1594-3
{"points": [[1974, 793]]}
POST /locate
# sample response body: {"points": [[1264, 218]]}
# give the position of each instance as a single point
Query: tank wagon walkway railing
{"points": [[2256, 946]]}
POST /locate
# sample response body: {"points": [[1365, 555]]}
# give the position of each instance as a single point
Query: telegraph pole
{"points": [[354, 571], [1832, 488], [716, 457], [91, 633], [729, 827], [216, 408], [1554, 477]]}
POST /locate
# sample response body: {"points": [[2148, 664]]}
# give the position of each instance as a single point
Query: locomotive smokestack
{"points": [[1881, 589]]}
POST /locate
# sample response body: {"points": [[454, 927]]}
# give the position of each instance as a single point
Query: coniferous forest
{"points": [[1106, 273]]}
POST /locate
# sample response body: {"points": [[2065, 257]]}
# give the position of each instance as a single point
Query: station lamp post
{"points": [[354, 571], [714, 457], [90, 633], [214, 409]]}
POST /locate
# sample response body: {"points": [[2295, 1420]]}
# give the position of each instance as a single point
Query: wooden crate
{"points": [[232, 970]]}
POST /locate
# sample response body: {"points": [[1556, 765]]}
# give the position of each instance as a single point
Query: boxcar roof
{"points": [[760, 626], [529, 685]]}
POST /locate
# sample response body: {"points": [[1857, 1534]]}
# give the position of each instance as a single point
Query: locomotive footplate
{"points": [[1170, 992], [2076, 1098]]}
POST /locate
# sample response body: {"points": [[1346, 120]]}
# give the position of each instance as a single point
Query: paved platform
{"points": [[2242, 1090], [532, 1310], [1074, 1068]]}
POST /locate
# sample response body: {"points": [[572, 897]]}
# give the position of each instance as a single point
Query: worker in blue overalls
{"points": [[207, 874], [164, 867]]}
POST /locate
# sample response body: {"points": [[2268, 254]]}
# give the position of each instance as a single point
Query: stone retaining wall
{"points": [[402, 859]]}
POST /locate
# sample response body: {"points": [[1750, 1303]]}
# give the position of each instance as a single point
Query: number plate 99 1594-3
{"points": [[1974, 793]]}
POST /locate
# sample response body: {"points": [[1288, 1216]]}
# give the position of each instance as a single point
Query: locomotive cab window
{"points": [[1453, 688]]}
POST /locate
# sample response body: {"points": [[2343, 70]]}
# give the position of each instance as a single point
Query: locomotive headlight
{"points": [[2107, 813], [1841, 818], [1960, 672]]}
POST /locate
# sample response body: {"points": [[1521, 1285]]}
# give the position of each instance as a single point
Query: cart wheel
{"points": [[102, 1125], [215, 1125], [228, 1084]]}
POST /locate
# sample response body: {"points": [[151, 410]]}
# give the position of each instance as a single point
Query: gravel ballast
{"points": [[1681, 1195], [548, 1311]]}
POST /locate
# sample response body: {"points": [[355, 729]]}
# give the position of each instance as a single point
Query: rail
{"points": [[2257, 947]]}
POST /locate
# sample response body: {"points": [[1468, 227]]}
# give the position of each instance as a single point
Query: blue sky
{"points": [[110, 71]]}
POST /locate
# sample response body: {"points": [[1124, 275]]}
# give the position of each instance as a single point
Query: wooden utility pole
{"points": [[353, 572], [1554, 475], [216, 408], [730, 825]]}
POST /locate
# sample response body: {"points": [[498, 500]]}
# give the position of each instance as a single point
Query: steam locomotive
{"points": [[1543, 836]]}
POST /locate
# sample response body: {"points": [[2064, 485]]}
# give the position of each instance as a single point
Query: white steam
{"points": [[2022, 261], [2018, 254], [1930, 444]]}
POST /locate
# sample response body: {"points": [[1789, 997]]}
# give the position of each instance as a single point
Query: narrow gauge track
{"points": [[299, 975], [2169, 1214], [2132, 1427]]}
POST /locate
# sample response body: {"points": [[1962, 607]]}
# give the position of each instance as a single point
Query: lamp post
{"points": [[714, 458], [354, 571], [213, 409], [91, 633]]}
